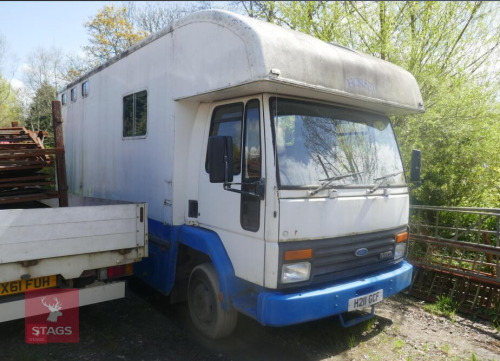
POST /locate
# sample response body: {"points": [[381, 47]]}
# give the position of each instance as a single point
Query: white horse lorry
{"points": [[273, 180]]}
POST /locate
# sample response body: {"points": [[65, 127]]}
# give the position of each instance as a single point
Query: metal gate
{"points": [[456, 253]]}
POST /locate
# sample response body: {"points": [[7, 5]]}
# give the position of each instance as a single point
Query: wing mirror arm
{"points": [[259, 188]]}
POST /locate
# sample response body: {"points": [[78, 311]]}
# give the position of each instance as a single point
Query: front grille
{"points": [[338, 257], [335, 258]]}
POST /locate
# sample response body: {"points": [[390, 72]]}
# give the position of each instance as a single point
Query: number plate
{"points": [[370, 299], [10, 288]]}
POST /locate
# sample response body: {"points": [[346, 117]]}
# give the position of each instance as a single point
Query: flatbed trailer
{"points": [[87, 245]]}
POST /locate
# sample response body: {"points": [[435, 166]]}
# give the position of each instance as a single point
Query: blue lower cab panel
{"points": [[154, 269], [158, 269], [274, 308]]}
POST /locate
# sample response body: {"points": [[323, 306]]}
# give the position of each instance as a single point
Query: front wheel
{"points": [[206, 310]]}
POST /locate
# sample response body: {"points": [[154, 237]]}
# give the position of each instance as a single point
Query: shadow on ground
{"points": [[143, 326], [313, 341]]}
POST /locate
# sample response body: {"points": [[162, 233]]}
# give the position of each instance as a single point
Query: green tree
{"points": [[44, 66], [116, 28], [10, 105], [40, 110], [111, 33], [76, 66], [43, 74], [452, 48]]}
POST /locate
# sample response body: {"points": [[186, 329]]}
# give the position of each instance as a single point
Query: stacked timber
{"points": [[26, 167]]}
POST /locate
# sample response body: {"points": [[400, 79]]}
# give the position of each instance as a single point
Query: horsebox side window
{"points": [[73, 94], [63, 99], [135, 114], [85, 89]]}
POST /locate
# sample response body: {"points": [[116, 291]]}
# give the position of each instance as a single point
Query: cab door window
{"points": [[226, 121], [252, 167]]}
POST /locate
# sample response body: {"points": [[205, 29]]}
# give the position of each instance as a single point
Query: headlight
{"points": [[400, 250], [296, 272]]}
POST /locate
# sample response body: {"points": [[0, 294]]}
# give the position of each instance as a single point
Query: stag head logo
{"points": [[54, 309]]}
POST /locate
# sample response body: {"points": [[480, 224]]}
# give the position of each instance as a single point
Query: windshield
{"points": [[317, 142]]}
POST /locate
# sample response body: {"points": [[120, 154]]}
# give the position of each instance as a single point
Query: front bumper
{"points": [[276, 308]]}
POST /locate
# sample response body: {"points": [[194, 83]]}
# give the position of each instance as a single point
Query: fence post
{"points": [[62, 183]]}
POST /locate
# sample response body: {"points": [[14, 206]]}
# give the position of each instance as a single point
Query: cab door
{"points": [[237, 218]]}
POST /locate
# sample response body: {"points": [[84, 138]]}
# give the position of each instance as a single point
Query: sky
{"points": [[28, 25]]}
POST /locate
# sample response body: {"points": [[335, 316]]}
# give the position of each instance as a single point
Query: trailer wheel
{"points": [[206, 310]]}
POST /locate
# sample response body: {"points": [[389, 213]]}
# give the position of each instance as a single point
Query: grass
{"points": [[371, 324], [445, 306], [398, 344], [446, 348], [396, 328], [351, 341], [496, 323]]}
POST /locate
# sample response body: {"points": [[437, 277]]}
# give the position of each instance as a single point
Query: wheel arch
{"points": [[209, 243]]}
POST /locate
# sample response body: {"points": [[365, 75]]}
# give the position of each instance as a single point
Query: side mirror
{"points": [[220, 159], [416, 161]]}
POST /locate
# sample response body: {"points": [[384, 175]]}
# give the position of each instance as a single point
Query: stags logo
{"points": [[47, 320], [54, 309]]}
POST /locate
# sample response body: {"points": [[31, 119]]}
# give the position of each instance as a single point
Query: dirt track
{"points": [[143, 327]]}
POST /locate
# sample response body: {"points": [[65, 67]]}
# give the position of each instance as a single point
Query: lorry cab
{"points": [[310, 197], [334, 186]]}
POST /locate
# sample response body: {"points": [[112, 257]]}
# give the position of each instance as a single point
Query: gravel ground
{"points": [[407, 332], [144, 327]]}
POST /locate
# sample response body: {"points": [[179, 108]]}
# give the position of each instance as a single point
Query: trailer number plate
{"points": [[370, 299], [10, 288]]}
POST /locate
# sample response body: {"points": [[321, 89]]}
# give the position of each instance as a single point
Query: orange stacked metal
{"points": [[26, 167]]}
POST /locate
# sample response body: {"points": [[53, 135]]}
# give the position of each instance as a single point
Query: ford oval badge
{"points": [[361, 252]]}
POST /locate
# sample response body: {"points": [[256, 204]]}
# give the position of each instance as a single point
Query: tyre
{"points": [[205, 309]]}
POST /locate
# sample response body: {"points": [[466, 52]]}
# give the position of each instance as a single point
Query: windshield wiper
{"points": [[382, 180], [330, 180]]}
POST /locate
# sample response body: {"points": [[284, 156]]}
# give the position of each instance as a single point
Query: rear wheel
{"points": [[206, 310]]}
